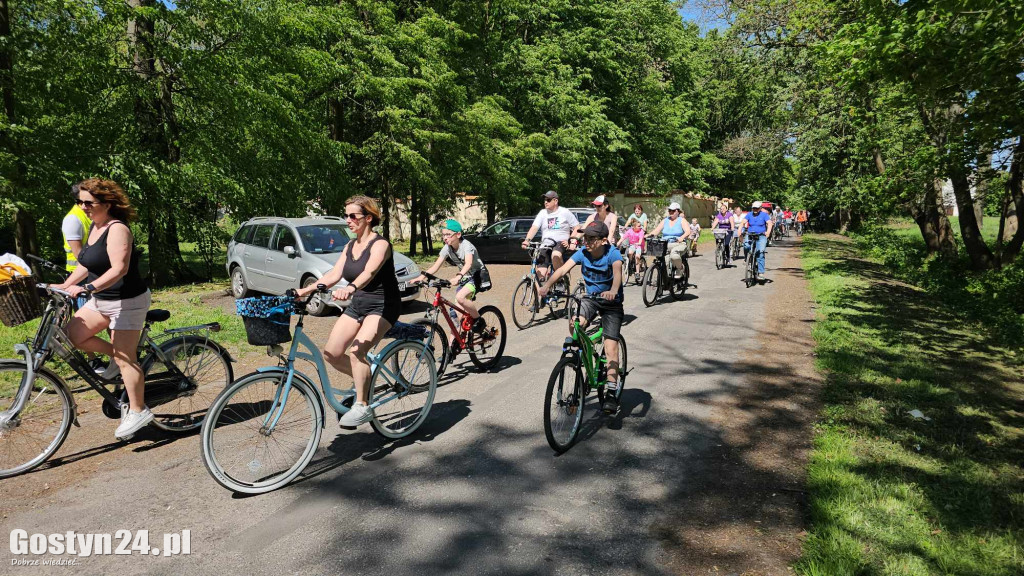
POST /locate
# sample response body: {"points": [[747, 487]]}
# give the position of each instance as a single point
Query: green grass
{"points": [[891, 494]]}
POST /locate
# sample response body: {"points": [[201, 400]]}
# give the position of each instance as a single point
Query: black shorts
{"points": [[544, 257], [611, 314], [363, 306]]}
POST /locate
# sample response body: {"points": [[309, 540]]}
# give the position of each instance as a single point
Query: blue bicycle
{"points": [[264, 428]]}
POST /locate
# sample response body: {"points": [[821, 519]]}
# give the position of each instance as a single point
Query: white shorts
{"points": [[635, 249], [127, 314]]}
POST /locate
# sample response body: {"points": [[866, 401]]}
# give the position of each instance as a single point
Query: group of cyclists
{"points": [[104, 269]]}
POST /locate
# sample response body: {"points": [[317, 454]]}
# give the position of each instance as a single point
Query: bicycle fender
{"points": [[299, 374], [166, 345]]}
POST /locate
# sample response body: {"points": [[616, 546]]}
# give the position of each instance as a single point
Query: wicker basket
{"points": [[267, 320], [19, 301], [656, 248]]}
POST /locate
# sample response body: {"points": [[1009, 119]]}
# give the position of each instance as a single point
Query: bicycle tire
{"points": [[180, 413], [402, 415], [720, 255], [652, 284], [524, 304], [51, 437], [231, 414], [438, 342], [749, 276], [572, 304], [495, 329], [562, 399], [677, 286]]}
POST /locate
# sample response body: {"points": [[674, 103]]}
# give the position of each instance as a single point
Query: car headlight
{"points": [[413, 270]]}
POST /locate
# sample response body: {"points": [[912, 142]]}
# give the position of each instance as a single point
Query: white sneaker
{"points": [[112, 371], [132, 423], [359, 414]]}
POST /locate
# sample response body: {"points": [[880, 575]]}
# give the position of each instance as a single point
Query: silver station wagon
{"points": [[271, 255]]}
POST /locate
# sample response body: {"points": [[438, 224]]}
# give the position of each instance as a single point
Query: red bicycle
{"points": [[483, 339]]}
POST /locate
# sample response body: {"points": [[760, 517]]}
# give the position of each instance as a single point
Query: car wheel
{"points": [[239, 289], [316, 306]]}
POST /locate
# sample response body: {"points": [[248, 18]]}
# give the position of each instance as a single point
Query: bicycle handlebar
{"points": [[436, 282], [44, 263]]}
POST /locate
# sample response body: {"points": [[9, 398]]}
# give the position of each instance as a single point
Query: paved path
{"points": [[476, 491]]}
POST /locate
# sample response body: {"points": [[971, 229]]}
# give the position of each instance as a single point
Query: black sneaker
{"points": [[479, 325], [611, 403]]}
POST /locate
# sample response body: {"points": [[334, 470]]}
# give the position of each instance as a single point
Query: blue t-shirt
{"points": [[758, 223], [597, 274]]}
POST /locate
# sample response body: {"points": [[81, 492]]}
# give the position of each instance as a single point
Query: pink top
{"points": [[635, 237]]}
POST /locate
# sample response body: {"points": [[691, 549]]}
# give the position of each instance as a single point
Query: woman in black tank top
{"points": [[120, 297], [368, 265]]}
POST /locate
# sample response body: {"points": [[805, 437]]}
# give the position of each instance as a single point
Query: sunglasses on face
{"points": [[546, 200], [354, 216], [448, 235], [88, 203]]}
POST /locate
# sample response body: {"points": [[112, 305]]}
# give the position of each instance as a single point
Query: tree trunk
{"points": [[428, 241], [26, 241], [492, 204], [1013, 232], [158, 134], [385, 209], [414, 205], [844, 220], [931, 218], [979, 252]]}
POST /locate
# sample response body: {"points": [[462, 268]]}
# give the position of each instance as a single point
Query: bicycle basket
{"points": [[19, 301], [656, 248], [267, 320], [403, 331]]}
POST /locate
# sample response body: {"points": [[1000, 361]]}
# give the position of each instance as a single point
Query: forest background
{"points": [[859, 110]]}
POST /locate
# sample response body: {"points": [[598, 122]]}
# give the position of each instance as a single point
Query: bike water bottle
{"points": [[453, 315]]}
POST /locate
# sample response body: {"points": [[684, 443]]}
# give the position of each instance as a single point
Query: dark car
{"points": [[501, 242]]}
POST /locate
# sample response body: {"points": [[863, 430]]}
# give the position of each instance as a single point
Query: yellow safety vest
{"points": [[77, 212]]}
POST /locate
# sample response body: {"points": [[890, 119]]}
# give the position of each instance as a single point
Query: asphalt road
{"points": [[476, 491]]}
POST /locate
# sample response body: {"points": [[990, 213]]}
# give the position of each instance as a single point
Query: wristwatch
{"points": [[89, 288]]}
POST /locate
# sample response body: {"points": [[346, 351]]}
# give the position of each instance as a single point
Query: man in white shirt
{"points": [[75, 228], [556, 225]]}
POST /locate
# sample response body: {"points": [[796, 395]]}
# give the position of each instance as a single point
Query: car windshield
{"points": [[323, 238]]}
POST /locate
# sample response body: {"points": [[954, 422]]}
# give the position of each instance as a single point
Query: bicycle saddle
{"points": [[157, 315]]}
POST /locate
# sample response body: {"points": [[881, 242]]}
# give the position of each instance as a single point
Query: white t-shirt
{"points": [[555, 225], [72, 228]]}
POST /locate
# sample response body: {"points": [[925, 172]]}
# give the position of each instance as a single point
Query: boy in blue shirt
{"points": [[602, 274], [758, 222]]}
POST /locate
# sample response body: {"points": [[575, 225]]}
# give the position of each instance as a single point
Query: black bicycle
{"points": [[661, 274], [184, 368], [721, 249], [750, 278]]}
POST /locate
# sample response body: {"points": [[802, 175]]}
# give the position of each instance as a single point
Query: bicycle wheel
{"points": [[38, 431], [652, 284], [236, 448], [720, 255], [563, 404], [677, 286], [486, 347], [404, 382], [750, 276], [438, 341], [623, 371], [183, 403], [524, 304]]}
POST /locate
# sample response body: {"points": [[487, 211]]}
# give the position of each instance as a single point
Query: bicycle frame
{"points": [[325, 391], [440, 306], [584, 347]]}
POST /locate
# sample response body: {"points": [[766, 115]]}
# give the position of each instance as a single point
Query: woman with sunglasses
{"points": [[368, 266], [109, 264], [673, 229]]}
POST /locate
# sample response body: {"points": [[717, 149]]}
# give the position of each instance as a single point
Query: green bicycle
{"points": [[582, 368]]}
